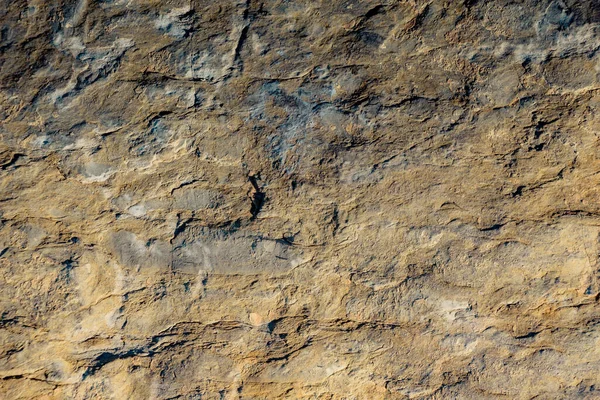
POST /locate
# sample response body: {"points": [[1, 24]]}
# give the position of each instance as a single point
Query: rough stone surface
{"points": [[299, 199]]}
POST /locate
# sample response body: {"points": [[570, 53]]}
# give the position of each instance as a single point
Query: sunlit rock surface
{"points": [[299, 199]]}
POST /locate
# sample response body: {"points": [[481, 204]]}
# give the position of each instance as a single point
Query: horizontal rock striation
{"points": [[299, 199]]}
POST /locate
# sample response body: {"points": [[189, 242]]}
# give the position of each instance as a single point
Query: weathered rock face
{"points": [[299, 199]]}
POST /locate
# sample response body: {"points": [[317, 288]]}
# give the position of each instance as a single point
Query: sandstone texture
{"points": [[271, 199]]}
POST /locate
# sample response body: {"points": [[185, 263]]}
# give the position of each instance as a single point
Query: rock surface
{"points": [[299, 199]]}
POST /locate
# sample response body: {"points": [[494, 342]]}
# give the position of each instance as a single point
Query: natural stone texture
{"points": [[299, 199]]}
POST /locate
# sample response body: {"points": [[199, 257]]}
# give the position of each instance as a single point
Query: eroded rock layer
{"points": [[299, 199]]}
